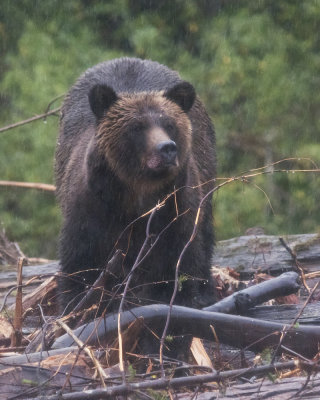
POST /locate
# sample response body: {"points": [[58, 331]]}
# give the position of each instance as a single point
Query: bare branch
{"points": [[32, 119], [86, 301], [134, 267], [29, 185]]}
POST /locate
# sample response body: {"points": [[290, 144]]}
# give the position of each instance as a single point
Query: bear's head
{"points": [[145, 137]]}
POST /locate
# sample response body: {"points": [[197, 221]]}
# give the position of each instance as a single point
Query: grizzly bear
{"points": [[134, 135]]}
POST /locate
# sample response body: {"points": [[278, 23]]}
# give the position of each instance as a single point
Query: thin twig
{"points": [[298, 265], [175, 290], [241, 178], [140, 258], [53, 101], [32, 119], [99, 283], [6, 297], [287, 328], [123, 296], [86, 349], [294, 353]]}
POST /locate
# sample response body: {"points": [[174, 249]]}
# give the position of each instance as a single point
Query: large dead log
{"points": [[248, 254], [286, 313], [286, 283], [234, 330]]}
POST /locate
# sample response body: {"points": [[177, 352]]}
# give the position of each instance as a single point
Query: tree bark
{"points": [[241, 332]]}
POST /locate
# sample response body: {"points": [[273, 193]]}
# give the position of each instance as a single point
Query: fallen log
{"points": [[241, 332], [285, 284], [246, 254], [286, 313], [264, 253], [241, 301]]}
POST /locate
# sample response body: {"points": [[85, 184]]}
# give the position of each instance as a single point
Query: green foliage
{"points": [[158, 395], [182, 278], [169, 339], [132, 373], [40, 69], [255, 65], [266, 355]]}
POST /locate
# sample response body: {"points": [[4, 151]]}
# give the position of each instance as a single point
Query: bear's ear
{"points": [[101, 97], [182, 94]]}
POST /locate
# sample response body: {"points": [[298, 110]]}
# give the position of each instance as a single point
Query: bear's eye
{"points": [[169, 127], [135, 127]]}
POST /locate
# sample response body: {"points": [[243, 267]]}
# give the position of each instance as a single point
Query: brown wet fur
{"points": [[104, 185], [137, 108]]}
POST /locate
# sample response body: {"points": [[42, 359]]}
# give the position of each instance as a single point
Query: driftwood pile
{"points": [[240, 349]]}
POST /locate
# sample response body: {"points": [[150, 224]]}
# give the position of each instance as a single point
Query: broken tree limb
{"points": [[241, 301], [17, 323], [87, 350], [234, 330], [98, 285], [34, 357], [41, 295]]}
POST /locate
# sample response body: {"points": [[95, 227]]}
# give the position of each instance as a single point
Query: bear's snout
{"points": [[162, 151], [167, 151], [163, 157]]}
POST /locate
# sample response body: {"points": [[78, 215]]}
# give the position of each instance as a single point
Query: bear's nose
{"points": [[168, 151]]}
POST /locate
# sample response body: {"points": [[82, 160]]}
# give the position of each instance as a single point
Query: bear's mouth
{"points": [[158, 163]]}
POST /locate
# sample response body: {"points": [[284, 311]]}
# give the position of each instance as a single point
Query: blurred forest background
{"points": [[255, 64]]}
